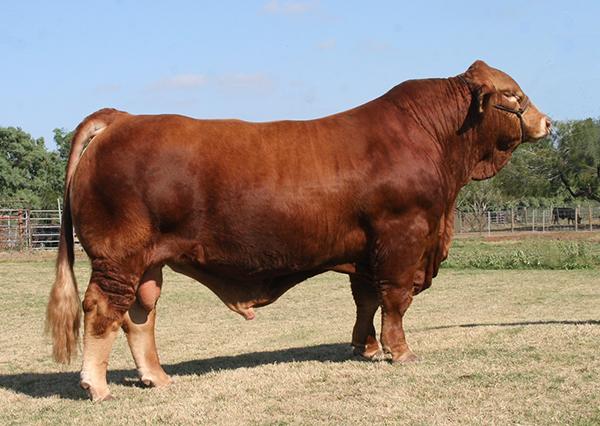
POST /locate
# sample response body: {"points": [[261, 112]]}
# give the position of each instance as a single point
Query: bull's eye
{"points": [[512, 97]]}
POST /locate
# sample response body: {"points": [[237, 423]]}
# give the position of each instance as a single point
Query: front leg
{"points": [[396, 296], [398, 252]]}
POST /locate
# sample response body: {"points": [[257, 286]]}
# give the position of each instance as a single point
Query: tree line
{"points": [[31, 175], [552, 172]]}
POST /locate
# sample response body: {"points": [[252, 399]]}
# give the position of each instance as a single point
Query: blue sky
{"points": [[274, 59]]}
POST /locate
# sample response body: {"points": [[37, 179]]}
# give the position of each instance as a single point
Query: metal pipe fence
{"points": [[523, 219], [22, 229], [29, 229]]}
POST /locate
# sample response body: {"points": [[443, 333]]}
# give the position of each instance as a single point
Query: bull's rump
{"points": [[256, 197]]}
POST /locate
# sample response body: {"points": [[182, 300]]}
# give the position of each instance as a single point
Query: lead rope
{"points": [[518, 112]]}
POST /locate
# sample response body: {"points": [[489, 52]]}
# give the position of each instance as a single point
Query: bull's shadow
{"points": [[514, 324], [64, 384]]}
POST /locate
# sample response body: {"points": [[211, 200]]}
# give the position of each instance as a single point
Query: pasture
{"points": [[496, 347]]}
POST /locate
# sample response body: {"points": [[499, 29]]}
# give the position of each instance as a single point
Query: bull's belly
{"points": [[241, 292], [250, 256]]}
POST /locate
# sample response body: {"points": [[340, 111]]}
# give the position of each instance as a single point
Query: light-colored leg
{"points": [[109, 295], [96, 351], [139, 328]]}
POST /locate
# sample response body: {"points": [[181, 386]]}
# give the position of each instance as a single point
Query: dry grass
{"points": [[497, 347]]}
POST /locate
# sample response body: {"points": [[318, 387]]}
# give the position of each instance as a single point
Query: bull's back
{"points": [[262, 195]]}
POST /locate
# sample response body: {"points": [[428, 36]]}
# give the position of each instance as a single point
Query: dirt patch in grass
{"points": [[497, 347]]}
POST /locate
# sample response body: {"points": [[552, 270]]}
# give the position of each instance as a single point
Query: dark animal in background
{"points": [[565, 213], [252, 209]]}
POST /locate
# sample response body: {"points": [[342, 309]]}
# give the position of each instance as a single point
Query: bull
{"points": [[252, 209], [568, 213]]}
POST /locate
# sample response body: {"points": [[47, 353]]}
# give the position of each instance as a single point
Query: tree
{"points": [[479, 196], [526, 177], [29, 174], [63, 138], [577, 159]]}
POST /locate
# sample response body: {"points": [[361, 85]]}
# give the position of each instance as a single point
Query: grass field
{"points": [[496, 347], [550, 250]]}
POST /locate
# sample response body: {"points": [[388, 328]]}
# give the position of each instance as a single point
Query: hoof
{"points": [[96, 395], [373, 356], [157, 381]]}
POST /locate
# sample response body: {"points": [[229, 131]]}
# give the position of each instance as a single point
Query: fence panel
{"points": [[14, 229], [45, 228], [523, 219], [29, 229]]}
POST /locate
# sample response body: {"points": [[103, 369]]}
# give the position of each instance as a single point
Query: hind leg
{"points": [[109, 295], [96, 351], [364, 338], [139, 327]]}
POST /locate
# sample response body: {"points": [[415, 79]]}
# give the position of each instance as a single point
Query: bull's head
{"points": [[504, 115]]}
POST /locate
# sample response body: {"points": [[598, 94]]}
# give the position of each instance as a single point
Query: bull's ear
{"points": [[480, 84], [482, 95]]}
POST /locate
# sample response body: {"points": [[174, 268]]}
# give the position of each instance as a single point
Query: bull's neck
{"points": [[440, 107]]}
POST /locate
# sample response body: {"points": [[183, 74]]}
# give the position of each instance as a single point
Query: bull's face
{"points": [[505, 115]]}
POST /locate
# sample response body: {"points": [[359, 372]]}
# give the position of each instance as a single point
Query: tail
{"points": [[63, 314]]}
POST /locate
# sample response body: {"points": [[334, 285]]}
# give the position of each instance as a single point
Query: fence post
{"points": [[590, 216], [512, 219], [543, 220], [533, 220], [20, 229], [576, 217], [489, 217], [28, 227]]}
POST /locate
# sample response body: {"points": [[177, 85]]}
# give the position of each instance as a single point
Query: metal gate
{"points": [[24, 228]]}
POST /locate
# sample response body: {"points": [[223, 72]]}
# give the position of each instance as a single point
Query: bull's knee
{"points": [[100, 311], [109, 295]]}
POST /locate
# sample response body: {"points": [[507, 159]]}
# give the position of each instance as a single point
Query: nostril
{"points": [[548, 123]]}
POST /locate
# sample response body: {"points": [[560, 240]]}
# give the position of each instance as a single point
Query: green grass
{"points": [[531, 253], [497, 347]]}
